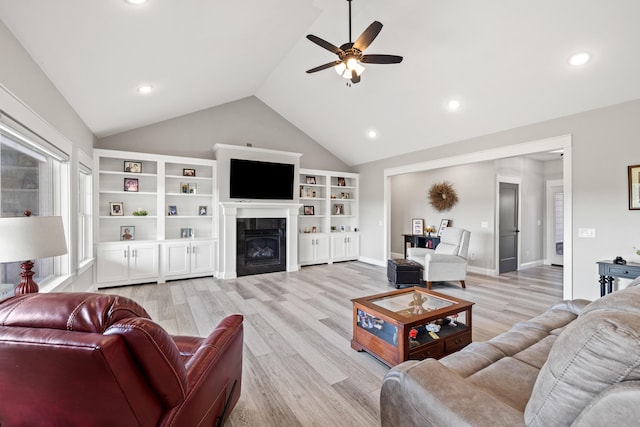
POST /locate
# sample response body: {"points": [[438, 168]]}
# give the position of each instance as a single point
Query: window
{"points": [[85, 217], [32, 173]]}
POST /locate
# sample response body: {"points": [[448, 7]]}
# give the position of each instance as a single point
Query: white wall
{"points": [[27, 94], [605, 142]]}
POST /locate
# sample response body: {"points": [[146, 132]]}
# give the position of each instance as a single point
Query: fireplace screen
{"points": [[261, 245]]}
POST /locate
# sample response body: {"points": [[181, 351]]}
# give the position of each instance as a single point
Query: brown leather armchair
{"points": [[82, 359]]}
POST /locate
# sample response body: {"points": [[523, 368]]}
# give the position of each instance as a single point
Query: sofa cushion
{"points": [[597, 350]]}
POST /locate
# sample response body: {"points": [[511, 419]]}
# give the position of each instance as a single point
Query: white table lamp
{"points": [[28, 238]]}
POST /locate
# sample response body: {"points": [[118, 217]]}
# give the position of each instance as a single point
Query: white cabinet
{"points": [[345, 246], [189, 258], [313, 248], [156, 199], [127, 263], [330, 207]]}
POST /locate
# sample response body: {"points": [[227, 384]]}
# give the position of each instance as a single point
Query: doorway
{"points": [[508, 229], [555, 223]]}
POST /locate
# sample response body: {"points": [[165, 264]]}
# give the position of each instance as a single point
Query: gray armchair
{"points": [[448, 261]]}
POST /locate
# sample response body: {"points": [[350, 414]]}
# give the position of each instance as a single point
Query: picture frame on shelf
{"points": [[202, 210], [116, 208], [173, 210], [341, 182], [132, 167], [311, 180], [343, 228], [338, 209], [188, 172], [634, 187], [309, 210], [131, 185], [184, 188], [417, 226], [192, 187], [314, 229], [127, 232], [186, 233], [443, 224]]}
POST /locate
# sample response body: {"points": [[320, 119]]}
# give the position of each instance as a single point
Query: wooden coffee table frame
{"points": [[376, 341]]}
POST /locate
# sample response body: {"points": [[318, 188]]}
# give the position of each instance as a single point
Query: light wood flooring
{"points": [[299, 368]]}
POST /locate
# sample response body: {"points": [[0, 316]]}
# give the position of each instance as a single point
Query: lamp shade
{"points": [[29, 238]]}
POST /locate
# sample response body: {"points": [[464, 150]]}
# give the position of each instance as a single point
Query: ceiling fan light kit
{"points": [[351, 55]]}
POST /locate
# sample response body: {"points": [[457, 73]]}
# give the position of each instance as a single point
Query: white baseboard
{"points": [[526, 265], [372, 261], [480, 270]]}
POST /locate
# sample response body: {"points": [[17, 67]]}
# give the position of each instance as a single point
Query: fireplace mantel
{"points": [[230, 211]]}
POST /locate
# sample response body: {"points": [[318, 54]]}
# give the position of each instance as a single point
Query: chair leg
{"points": [[462, 283], [429, 285]]}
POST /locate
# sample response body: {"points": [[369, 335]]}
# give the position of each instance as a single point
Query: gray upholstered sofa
{"points": [[577, 364]]}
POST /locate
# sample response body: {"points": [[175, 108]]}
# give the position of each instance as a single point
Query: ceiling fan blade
{"points": [[381, 59], [367, 36], [355, 78], [324, 66], [325, 44]]}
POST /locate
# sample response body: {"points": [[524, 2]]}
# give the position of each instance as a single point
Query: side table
{"points": [[608, 270]]}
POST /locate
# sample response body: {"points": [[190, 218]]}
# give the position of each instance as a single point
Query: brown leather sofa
{"points": [[82, 359]]}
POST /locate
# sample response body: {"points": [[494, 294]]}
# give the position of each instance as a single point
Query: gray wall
{"points": [[605, 142], [247, 120], [476, 186], [23, 78]]}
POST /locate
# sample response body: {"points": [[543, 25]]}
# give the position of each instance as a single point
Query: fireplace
{"points": [[261, 245]]}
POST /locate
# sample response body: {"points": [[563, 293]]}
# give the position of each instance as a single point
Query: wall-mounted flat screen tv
{"points": [[251, 179]]}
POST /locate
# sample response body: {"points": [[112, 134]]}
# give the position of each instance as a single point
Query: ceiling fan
{"points": [[351, 55]]}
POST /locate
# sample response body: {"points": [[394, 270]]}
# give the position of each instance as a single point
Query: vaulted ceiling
{"points": [[505, 61]]}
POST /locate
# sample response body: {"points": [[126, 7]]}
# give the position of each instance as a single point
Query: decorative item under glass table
{"points": [[412, 323]]}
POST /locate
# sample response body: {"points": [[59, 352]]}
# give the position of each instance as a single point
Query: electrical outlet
{"points": [[587, 233], [484, 224]]}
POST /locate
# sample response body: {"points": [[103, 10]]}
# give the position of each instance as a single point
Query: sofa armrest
{"points": [[618, 405], [428, 394], [214, 375]]}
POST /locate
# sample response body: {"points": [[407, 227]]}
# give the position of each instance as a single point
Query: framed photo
{"points": [[417, 226], [132, 167], [311, 179], [131, 184], [186, 233], [173, 210], [341, 182], [116, 208], [343, 228], [188, 172], [634, 187], [184, 187], [192, 187], [202, 210], [127, 232], [338, 209], [309, 210], [443, 224]]}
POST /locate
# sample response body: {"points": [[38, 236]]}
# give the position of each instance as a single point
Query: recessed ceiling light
{"points": [[145, 89], [136, 2], [453, 105], [372, 134], [579, 59]]}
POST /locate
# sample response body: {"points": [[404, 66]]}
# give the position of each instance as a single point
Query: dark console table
{"points": [[608, 270], [419, 241]]}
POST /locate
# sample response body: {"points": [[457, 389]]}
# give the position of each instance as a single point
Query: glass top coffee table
{"points": [[411, 323]]}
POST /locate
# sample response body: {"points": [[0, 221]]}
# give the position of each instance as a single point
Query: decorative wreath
{"points": [[442, 196]]}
